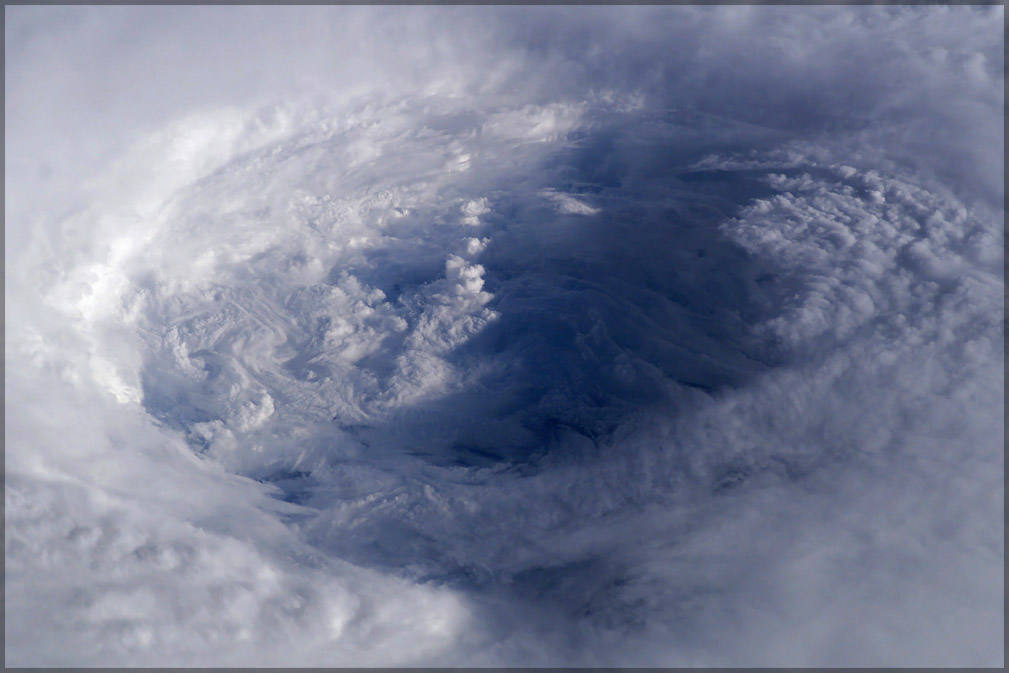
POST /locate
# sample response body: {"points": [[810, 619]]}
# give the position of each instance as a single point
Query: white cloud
{"points": [[534, 123], [568, 204], [745, 409]]}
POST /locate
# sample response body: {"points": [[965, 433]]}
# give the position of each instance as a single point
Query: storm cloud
{"points": [[467, 336]]}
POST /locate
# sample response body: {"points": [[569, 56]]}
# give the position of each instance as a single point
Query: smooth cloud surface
{"points": [[514, 336]]}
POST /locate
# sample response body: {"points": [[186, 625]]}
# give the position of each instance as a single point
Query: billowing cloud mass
{"points": [[411, 336]]}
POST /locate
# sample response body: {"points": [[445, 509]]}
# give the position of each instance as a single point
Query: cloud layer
{"points": [[513, 336]]}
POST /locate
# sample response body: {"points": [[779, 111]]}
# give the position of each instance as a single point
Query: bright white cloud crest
{"points": [[521, 336]]}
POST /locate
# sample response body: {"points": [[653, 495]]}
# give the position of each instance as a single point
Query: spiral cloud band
{"points": [[514, 336]]}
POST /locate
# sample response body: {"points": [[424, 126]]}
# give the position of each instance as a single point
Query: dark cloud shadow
{"points": [[639, 302]]}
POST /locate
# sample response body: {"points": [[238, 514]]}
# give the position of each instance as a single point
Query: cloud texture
{"points": [[504, 336]]}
